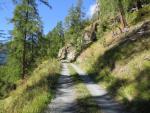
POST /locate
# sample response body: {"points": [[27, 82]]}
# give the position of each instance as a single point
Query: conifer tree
{"points": [[26, 25], [74, 24], [55, 39]]}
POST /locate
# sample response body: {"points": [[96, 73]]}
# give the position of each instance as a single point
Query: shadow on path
{"points": [[106, 103], [64, 101]]}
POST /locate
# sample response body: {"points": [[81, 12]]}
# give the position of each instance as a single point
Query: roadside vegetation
{"points": [[29, 77], [122, 64], [119, 59], [35, 92]]}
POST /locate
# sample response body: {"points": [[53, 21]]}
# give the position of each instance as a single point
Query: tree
{"points": [[122, 14], [111, 8], [42, 1], [55, 39], [74, 24], [26, 25]]}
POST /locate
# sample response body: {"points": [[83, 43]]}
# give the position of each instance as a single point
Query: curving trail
{"points": [[65, 100], [100, 96]]}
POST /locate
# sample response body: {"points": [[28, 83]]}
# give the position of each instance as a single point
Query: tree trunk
{"points": [[24, 46], [122, 15], [32, 48], [24, 57]]}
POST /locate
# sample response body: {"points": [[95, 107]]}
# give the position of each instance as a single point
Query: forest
{"points": [[112, 47]]}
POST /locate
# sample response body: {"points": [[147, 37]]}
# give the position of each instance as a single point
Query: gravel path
{"points": [[101, 96], [64, 102]]}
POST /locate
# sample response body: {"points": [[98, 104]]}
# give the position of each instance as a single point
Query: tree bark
{"points": [[122, 15], [32, 47], [24, 57]]}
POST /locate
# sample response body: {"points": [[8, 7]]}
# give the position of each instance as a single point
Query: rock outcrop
{"points": [[70, 53], [90, 34]]}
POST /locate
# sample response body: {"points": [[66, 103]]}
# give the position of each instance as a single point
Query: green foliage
{"points": [[55, 40], [26, 33], [74, 25], [138, 16], [33, 94], [27, 47]]}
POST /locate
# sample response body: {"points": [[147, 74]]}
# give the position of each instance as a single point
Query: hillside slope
{"points": [[33, 94], [122, 66]]}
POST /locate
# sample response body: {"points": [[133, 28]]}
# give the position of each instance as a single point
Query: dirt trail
{"points": [[100, 96], [64, 102]]}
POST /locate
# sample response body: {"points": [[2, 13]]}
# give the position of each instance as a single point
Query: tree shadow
{"points": [[141, 103], [123, 52], [120, 54], [85, 103]]}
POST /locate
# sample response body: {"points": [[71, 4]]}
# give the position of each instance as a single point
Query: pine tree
{"points": [[27, 24], [55, 39], [74, 24], [42, 1]]}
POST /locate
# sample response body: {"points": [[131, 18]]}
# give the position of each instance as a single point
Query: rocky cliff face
{"points": [[90, 34], [70, 53]]}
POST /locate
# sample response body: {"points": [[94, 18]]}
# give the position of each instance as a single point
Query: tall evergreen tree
{"points": [[55, 39], [42, 1], [26, 25], [74, 23]]}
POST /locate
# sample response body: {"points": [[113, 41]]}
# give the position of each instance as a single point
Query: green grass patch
{"points": [[84, 100]]}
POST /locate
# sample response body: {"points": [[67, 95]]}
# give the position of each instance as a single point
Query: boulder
{"points": [[89, 35], [68, 53], [62, 53], [71, 53]]}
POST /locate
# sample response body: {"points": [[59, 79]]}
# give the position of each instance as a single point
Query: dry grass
{"points": [[33, 94], [123, 67]]}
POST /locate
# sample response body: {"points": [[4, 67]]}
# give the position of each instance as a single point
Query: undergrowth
{"points": [[33, 94]]}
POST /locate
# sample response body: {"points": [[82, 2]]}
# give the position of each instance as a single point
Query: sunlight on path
{"points": [[106, 103], [64, 102]]}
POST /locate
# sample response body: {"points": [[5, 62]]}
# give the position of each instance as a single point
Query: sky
{"points": [[49, 17]]}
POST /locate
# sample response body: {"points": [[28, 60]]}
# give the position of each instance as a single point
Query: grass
{"points": [[139, 16], [84, 100], [123, 68], [124, 71], [33, 94]]}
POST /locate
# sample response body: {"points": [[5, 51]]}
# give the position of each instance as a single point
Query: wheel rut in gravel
{"points": [[65, 99]]}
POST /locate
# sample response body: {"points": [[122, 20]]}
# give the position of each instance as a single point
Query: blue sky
{"points": [[49, 17]]}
